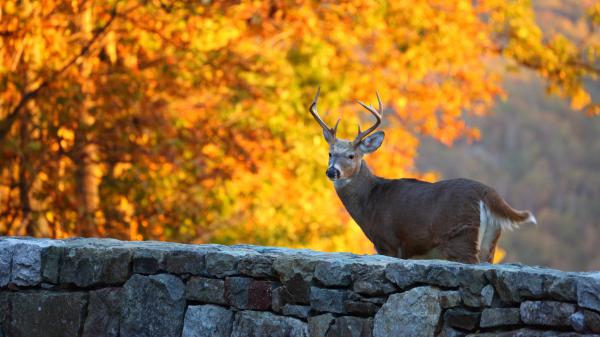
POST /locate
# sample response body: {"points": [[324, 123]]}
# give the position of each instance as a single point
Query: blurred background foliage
{"points": [[188, 121]]}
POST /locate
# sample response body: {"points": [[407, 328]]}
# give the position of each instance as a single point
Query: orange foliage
{"points": [[187, 120]]}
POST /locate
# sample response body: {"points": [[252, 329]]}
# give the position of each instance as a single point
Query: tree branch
{"points": [[7, 123]]}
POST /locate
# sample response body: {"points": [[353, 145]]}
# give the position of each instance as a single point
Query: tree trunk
{"points": [[26, 226], [86, 186], [85, 152]]}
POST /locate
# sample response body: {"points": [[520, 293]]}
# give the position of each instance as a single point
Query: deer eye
{"points": [[351, 156]]}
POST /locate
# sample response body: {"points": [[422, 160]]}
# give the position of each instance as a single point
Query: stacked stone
{"points": [[105, 287]]}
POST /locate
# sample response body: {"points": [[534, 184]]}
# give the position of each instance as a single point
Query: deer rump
{"points": [[458, 219]]}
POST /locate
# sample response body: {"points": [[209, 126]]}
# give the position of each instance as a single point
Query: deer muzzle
{"points": [[332, 173]]}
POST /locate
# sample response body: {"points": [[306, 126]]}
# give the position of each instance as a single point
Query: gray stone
{"points": [[149, 261], [360, 308], [6, 254], [562, 288], [186, 261], [225, 263], [4, 307], [546, 313], [207, 321], [91, 266], [528, 333], [375, 300], [51, 260], [578, 321], [408, 273], [414, 313], [513, 283], [300, 311], [318, 326], [333, 273], [448, 331], [450, 299], [592, 320], [470, 299], [247, 293], [328, 300], [152, 306], [494, 317], [462, 318], [298, 289], [236, 291], [348, 326], [256, 265], [260, 324], [487, 295], [371, 280], [295, 291], [205, 290], [295, 265], [588, 292], [103, 313], [35, 314], [278, 299], [33, 261]]}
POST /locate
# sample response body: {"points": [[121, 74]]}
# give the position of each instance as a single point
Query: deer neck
{"points": [[354, 192]]}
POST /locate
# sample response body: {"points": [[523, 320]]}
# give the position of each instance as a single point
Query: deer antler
{"points": [[377, 114], [313, 111]]}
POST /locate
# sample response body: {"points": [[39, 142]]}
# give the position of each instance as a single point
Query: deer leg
{"points": [[389, 252], [462, 248], [380, 250], [399, 253], [492, 248]]}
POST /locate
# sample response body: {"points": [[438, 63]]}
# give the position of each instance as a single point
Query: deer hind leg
{"points": [[390, 252], [488, 244], [462, 248], [489, 232]]}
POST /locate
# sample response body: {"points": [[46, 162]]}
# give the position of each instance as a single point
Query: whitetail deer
{"points": [[459, 219]]}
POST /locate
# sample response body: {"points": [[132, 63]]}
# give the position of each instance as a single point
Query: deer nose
{"points": [[332, 173]]}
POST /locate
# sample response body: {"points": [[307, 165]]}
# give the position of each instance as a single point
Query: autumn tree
{"points": [[187, 120]]}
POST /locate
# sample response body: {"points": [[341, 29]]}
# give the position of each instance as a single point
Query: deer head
{"points": [[345, 156]]}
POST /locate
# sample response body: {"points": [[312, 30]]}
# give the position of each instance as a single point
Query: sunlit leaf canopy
{"points": [[188, 120]]}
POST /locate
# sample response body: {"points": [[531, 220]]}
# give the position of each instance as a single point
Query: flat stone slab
{"points": [[152, 306], [103, 313], [93, 266], [494, 317], [328, 300], [415, 313], [548, 313], [205, 290], [259, 324], [207, 321], [348, 326], [588, 291], [46, 313], [318, 326]]}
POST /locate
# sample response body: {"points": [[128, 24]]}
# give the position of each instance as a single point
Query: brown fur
{"points": [[499, 207], [408, 217]]}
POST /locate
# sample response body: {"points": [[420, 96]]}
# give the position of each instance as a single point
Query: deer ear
{"points": [[372, 142]]}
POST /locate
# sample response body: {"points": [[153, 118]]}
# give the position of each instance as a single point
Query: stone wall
{"points": [[104, 287]]}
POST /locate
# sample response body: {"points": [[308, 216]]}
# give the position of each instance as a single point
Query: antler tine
{"points": [[313, 111], [378, 115]]}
